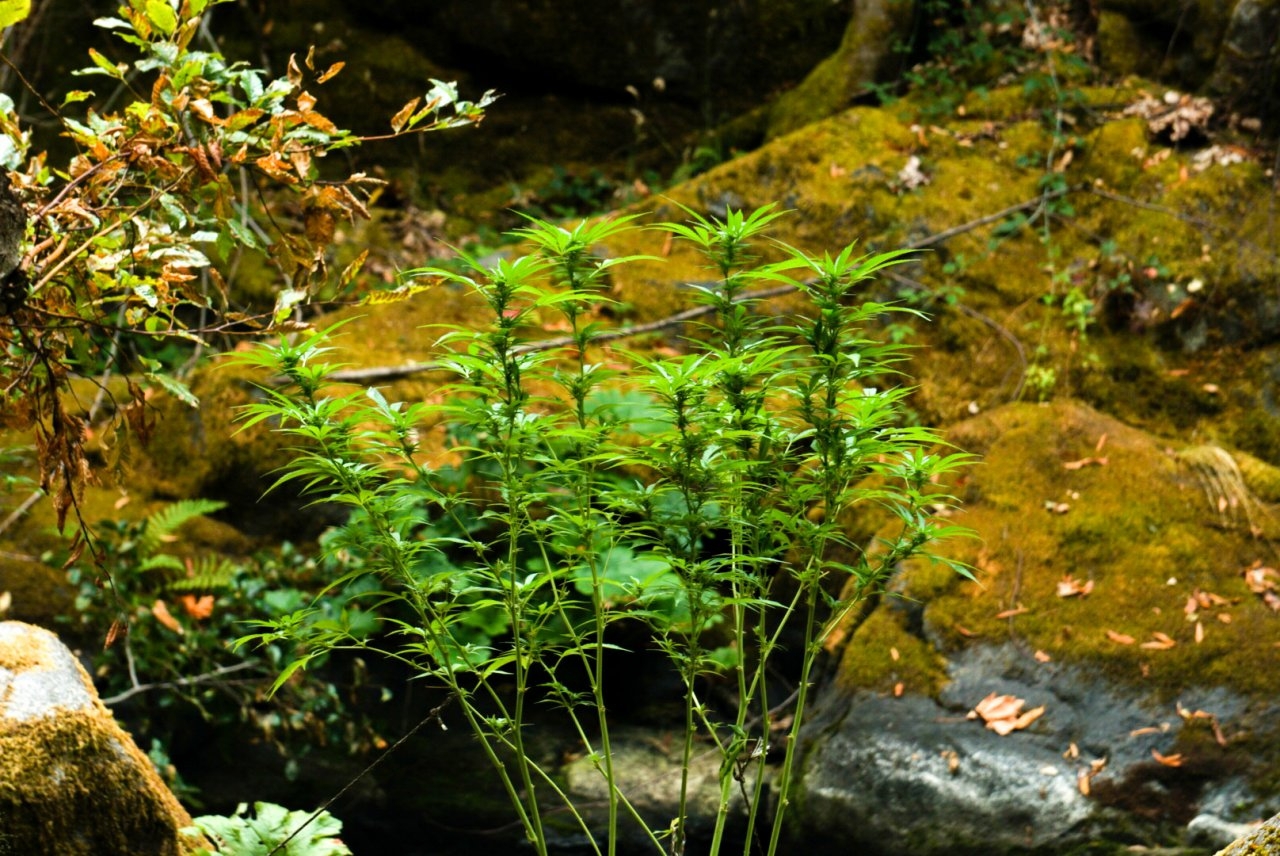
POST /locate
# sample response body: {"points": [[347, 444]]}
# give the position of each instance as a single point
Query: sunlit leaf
{"points": [[13, 11]]}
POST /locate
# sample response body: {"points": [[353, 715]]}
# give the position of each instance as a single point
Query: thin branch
{"points": [[376, 373], [139, 688], [21, 510], [432, 716]]}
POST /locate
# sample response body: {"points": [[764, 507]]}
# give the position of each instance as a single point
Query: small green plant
{"points": [[705, 495], [170, 615], [271, 831]]}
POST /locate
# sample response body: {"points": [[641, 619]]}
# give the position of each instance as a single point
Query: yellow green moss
{"points": [[75, 784], [1139, 527], [883, 654]]}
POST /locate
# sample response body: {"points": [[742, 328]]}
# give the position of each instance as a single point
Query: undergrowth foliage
{"points": [[705, 494]]}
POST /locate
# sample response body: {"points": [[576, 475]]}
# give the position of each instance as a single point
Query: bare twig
{"points": [[139, 688], [376, 373], [432, 716], [17, 513]]}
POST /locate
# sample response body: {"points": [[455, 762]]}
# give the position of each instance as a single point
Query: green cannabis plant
{"points": [[705, 495]]}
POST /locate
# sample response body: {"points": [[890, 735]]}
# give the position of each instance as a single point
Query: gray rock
{"points": [[914, 776], [1208, 830], [72, 782]]}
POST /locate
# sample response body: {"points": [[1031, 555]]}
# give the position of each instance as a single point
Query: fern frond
{"points": [[163, 523], [208, 574]]}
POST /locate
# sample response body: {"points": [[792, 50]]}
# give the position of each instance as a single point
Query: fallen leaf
{"points": [[1003, 714], [893, 654], [1224, 617], [898, 689], [6, 601], [1069, 586], [965, 632], [1150, 729], [1199, 632], [1102, 441], [162, 614], [1010, 613], [1072, 753], [953, 760], [1082, 782], [1120, 638], [198, 608], [1174, 760], [1042, 657], [1084, 462], [1159, 642]]}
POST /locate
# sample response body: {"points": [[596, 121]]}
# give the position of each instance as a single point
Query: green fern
{"points": [[208, 575], [161, 525]]}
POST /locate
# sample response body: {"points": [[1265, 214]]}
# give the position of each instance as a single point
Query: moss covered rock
{"points": [[1264, 841], [1122, 584], [73, 783], [862, 58]]}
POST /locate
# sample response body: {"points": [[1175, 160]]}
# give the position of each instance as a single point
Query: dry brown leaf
{"points": [[1174, 760], [893, 654], [953, 760], [1029, 717], [1003, 714], [1199, 632], [117, 628], [1159, 642], [1042, 657], [330, 72], [1010, 613], [197, 607], [1120, 638], [1224, 617], [898, 689], [965, 632], [1102, 441], [1085, 462], [1073, 752], [1069, 586], [1082, 782], [162, 614]]}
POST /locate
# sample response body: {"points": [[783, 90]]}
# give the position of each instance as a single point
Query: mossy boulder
{"points": [[863, 57], [1123, 583], [1264, 841], [72, 781], [1227, 49]]}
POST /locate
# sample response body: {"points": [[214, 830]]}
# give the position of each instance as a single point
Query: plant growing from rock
{"points": [[722, 528]]}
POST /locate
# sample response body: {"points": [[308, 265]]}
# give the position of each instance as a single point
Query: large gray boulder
{"points": [[72, 782]]}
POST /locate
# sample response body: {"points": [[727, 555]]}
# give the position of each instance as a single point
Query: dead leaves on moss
{"points": [[1004, 715], [1264, 582], [1069, 586]]}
